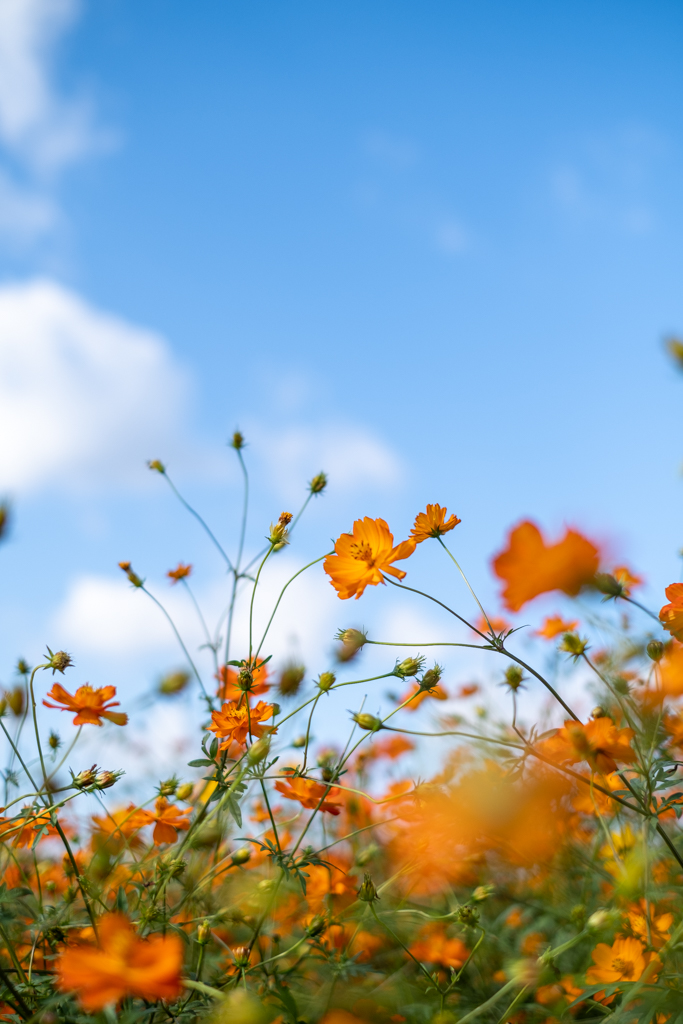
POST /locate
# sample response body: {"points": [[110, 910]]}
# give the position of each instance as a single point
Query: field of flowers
{"points": [[531, 876]]}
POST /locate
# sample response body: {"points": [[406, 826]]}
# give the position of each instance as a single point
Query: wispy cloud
{"points": [[85, 397], [42, 130]]}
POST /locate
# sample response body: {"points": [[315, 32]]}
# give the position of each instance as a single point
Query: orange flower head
{"points": [[181, 572], [229, 687], [419, 695], [360, 558], [599, 742], [553, 625], [529, 566], [626, 579], [671, 615], [22, 830], [167, 819], [433, 947], [432, 523], [623, 961], [122, 965], [644, 915], [90, 705], [233, 722], [309, 793]]}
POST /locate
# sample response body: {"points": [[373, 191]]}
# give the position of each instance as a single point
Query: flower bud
{"points": [[326, 681], [3, 706], [328, 774], [675, 350], [15, 699], [318, 484], [104, 780], [573, 644], [367, 892], [23, 667], [655, 650], [298, 742], [85, 779], [203, 933], [514, 676], [132, 576], [409, 667], [237, 441], [59, 661], [365, 721], [468, 915], [291, 678], [600, 919], [241, 955], [174, 682], [431, 678], [157, 465], [241, 856], [608, 584], [316, 925], [185, 791], [525, 972], [598, 712], [353, 639], [482, 892], [278, 534], [168, 787], [259, 750]]}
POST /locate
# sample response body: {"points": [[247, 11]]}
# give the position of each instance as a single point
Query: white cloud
{"points": [[352, 457], [85, 397], [36, 123], [25, 213]]}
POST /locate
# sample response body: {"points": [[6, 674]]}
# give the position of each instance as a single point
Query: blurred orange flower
{"points": [[117, 827], [91, 705], [179, 573], [530, 567], [625, 960], [553, 625], [168, 820], [497, 623], [434, 947], [360, 558], [121, 965], [626, 578], [391, 747], [432, 523], [309, 793], [236, 723], [659, 924], [671, 615], [437, 692], [599, 742], [22, 830], [228, 688]]}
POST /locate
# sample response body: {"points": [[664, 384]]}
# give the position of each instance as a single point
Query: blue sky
{"points": [[433, 248]]}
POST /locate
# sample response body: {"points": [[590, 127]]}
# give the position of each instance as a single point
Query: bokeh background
{"points": [[431, 248]]}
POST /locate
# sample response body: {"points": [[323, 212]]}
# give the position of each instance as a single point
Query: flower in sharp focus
{"points": [[181, 572], [529, 566], [432, 523], [553, 625], [122, 964], [236, 723], [625, 960], [90, 705], [599, 742], [671, 615], [309, 794], [167, 819], [361, 557]]}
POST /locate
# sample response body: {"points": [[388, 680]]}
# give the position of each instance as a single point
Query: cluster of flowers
{"points": [[532, 876]]}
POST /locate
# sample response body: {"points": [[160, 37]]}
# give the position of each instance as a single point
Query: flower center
{"points": [[624, 967], [363, 553]]}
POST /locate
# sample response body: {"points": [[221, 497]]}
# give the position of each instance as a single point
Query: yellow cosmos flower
{"points": [[432, 523], [361, 557]]}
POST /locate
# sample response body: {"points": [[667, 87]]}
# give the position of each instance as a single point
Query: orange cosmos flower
{"points": [[91, 705], [660, 924], [433, 947], [625, 960], [168, 820], [531, 567], [553, 625], [599, 742], [437, 692], [22, 830], [626, 578], [671, 615], [228, 688], [122, 965], [236, 723], [391, 747], [432, 523], [181, 572], [309, 794], [362, 557]]}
